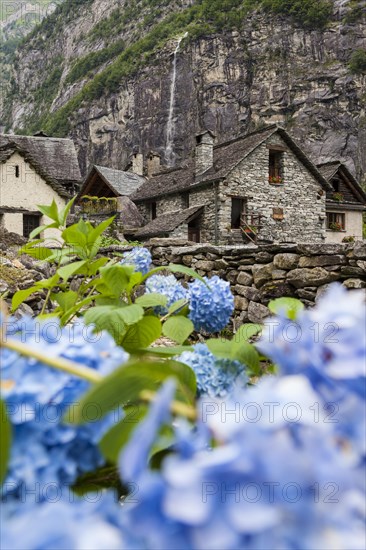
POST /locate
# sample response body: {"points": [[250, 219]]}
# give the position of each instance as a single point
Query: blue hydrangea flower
{"points": [[92, 523], [44, 449], [140, 258], [287, 467], [168, 286], [210, 307], [215, 377]]}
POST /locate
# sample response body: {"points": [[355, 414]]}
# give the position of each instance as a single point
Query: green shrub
{"points": [[313, 14], [357, 62]]}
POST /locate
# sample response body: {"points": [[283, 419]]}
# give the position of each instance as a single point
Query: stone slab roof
{"points": [[129, 214], [226, 157], [168, 222], [330, 169], [54, 159], [123, 183]]}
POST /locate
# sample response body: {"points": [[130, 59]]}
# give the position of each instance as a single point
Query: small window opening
{"points": [[17, 171], [153, 210], [275, 167], [30, 222]]}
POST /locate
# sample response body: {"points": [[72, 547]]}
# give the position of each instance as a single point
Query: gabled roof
{"points": [[120, 182], [54, 159], [331, 169], [226, 157], [8, 151], [168, 222]]}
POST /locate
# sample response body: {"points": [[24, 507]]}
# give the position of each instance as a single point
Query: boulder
{"points": [[359, 250], [354, 283], [275, 289], [320, 261], [257, 312], [244, 279], [286, 261], [204, 265], [317, 276], [262, 274], [241, 303]]}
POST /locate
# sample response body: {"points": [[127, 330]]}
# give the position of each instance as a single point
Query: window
{"points": [[17, 171], [238, 206], [275, 167], [336, 221], [185, 200], [153, 210], [194, 233], [335, 184], [30, 222]]}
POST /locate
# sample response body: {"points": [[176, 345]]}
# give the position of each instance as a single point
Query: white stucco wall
{"points": [[353, 225], [26, 191]]}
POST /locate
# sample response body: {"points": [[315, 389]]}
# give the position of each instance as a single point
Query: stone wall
{"points": [[260, 274], [299, 197]]}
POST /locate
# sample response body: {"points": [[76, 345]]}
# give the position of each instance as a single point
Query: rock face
{"points": [[231, 82]]}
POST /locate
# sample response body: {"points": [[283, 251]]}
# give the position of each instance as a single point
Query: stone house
{"points": [[345, 203], [116, 186], [34, 170], [259, 187]]}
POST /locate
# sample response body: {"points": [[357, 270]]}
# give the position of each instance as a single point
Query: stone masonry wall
{"points": [[260, 274], [300, 197]]}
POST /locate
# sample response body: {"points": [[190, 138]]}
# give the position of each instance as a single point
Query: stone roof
{"points": [[330, 169], [129, 214], [54, 159], [168, 222], [226, 156], [123, 183]]}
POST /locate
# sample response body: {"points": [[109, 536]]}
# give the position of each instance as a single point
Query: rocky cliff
{"points": [[102, 72]]}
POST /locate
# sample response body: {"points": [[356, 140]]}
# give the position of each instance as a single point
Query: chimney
{"points": [[153, 164], [138, 164], [204, 152]]}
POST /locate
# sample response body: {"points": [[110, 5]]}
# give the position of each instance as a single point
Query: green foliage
{"points": [[357, 62], [291, 307], [312, 14], [5, 440], [86, 65]]}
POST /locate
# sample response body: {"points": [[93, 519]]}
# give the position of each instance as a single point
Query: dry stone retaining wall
{"points": [[260, 274]]}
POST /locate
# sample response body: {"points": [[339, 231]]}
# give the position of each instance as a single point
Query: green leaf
{"points": [[176, 268], [22, 295], [38, 252], [106, 318], [142, 334], [116, 277], [220, 347], [98, 230], [178, 328], [291, 307], [125, 385], [247, 355], [50, 211], [135, 280], [66, 300], [41, 228], [167, 351], [130, 314], [48, 283], [66, 271], [246, 331], [5, 440], [65, 212], [117, 437], [176, 306], [94, 266], [151, 300], [106, 477]]}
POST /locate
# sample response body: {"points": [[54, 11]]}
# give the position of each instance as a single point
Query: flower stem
{"points": [[178, 408], [56, 362]]}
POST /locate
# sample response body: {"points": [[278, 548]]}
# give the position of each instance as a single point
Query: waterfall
{"points": [[169, 153]]}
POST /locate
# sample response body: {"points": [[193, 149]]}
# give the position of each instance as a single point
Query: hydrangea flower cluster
{"points": [[139, 257], [44, 450], [65, 523], [168, 286], [287, 469], [210, 307], [215, 377]]}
